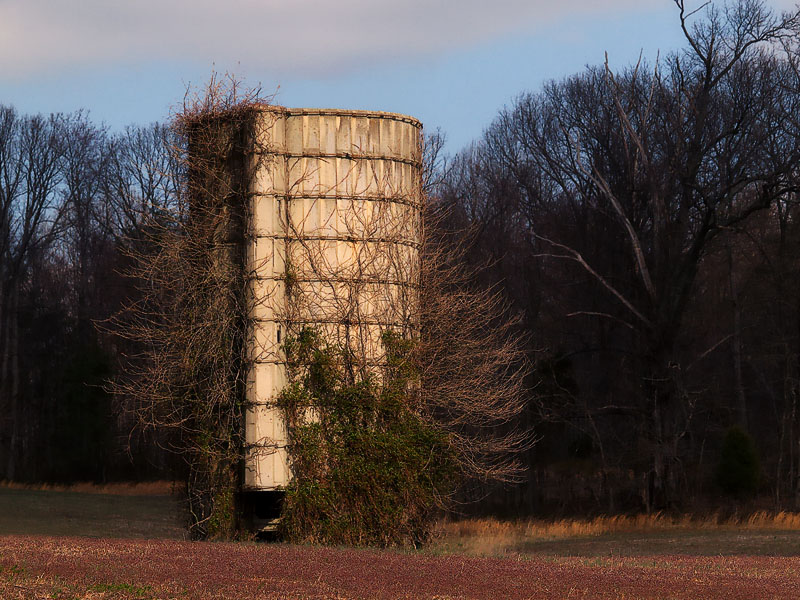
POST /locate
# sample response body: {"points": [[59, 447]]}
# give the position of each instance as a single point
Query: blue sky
{"points": [[452, 64]]}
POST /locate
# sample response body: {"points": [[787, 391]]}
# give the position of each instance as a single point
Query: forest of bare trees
{"points": [[72, 198], [640, 220], [641, 227]]}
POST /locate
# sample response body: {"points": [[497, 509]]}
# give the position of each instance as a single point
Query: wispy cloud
{"points": [[282, 37]]}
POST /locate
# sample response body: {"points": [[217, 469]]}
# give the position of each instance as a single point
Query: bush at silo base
{"points": [[368, 469]]}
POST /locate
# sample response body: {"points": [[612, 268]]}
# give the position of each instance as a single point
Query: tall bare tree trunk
{"points": [[794, 439], [12, 355], [5, 339], [741, 398]]}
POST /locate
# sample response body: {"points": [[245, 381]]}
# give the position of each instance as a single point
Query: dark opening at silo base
{"points": [[262, 511]]}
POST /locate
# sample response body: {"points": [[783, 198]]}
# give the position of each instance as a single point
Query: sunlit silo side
{"points": [[333, 243]]}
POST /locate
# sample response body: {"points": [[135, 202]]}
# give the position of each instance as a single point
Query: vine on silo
{"points": [[192, 316], [367, 468]]}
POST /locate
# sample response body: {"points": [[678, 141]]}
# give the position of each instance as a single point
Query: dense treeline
{"points": [[72, 197], [643, 224]]}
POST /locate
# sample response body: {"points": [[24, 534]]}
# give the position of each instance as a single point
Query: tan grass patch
{"points": [[492, 536]]}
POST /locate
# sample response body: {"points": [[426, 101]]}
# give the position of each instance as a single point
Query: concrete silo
{"points": [[335, 217]]}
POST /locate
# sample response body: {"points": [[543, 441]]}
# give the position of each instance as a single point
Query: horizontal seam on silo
{"points": [[339, 112], [359, 114], [347, 155], [336, 238], [281, 320], [359, 197], [398, 282], [283, 362]]}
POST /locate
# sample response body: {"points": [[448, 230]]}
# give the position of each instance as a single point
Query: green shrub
{"points": [[367, 467], [738, 471]]}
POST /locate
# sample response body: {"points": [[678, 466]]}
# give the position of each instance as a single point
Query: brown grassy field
{"points": [[134, 550], [70, 568]]}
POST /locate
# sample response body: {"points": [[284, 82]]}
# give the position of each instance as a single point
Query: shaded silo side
{"points": [[333, 243]]}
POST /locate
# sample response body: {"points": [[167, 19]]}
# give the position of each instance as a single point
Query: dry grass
{"points": [[147, 488], [619, 524], [494, 537]]}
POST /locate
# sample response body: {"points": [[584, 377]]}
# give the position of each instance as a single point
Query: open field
{"points": [[27, 511], [45, 553], [85, 568]]}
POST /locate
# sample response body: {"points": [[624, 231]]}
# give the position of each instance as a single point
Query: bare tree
{"points": [[406, 275], [626, 178], [196, 318], [396, 273], [31, 210], [142, 180], [473, 359], [189, 320], [86, 240]]}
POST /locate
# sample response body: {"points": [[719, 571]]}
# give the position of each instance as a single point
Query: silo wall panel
{"points": [[335, 195]]}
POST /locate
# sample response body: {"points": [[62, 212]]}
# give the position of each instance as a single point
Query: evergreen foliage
{"points": [[738, 471]]}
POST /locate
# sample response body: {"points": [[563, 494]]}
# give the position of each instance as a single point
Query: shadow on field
{"points": [[652, 543], [62, 513], [693, 543]]}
